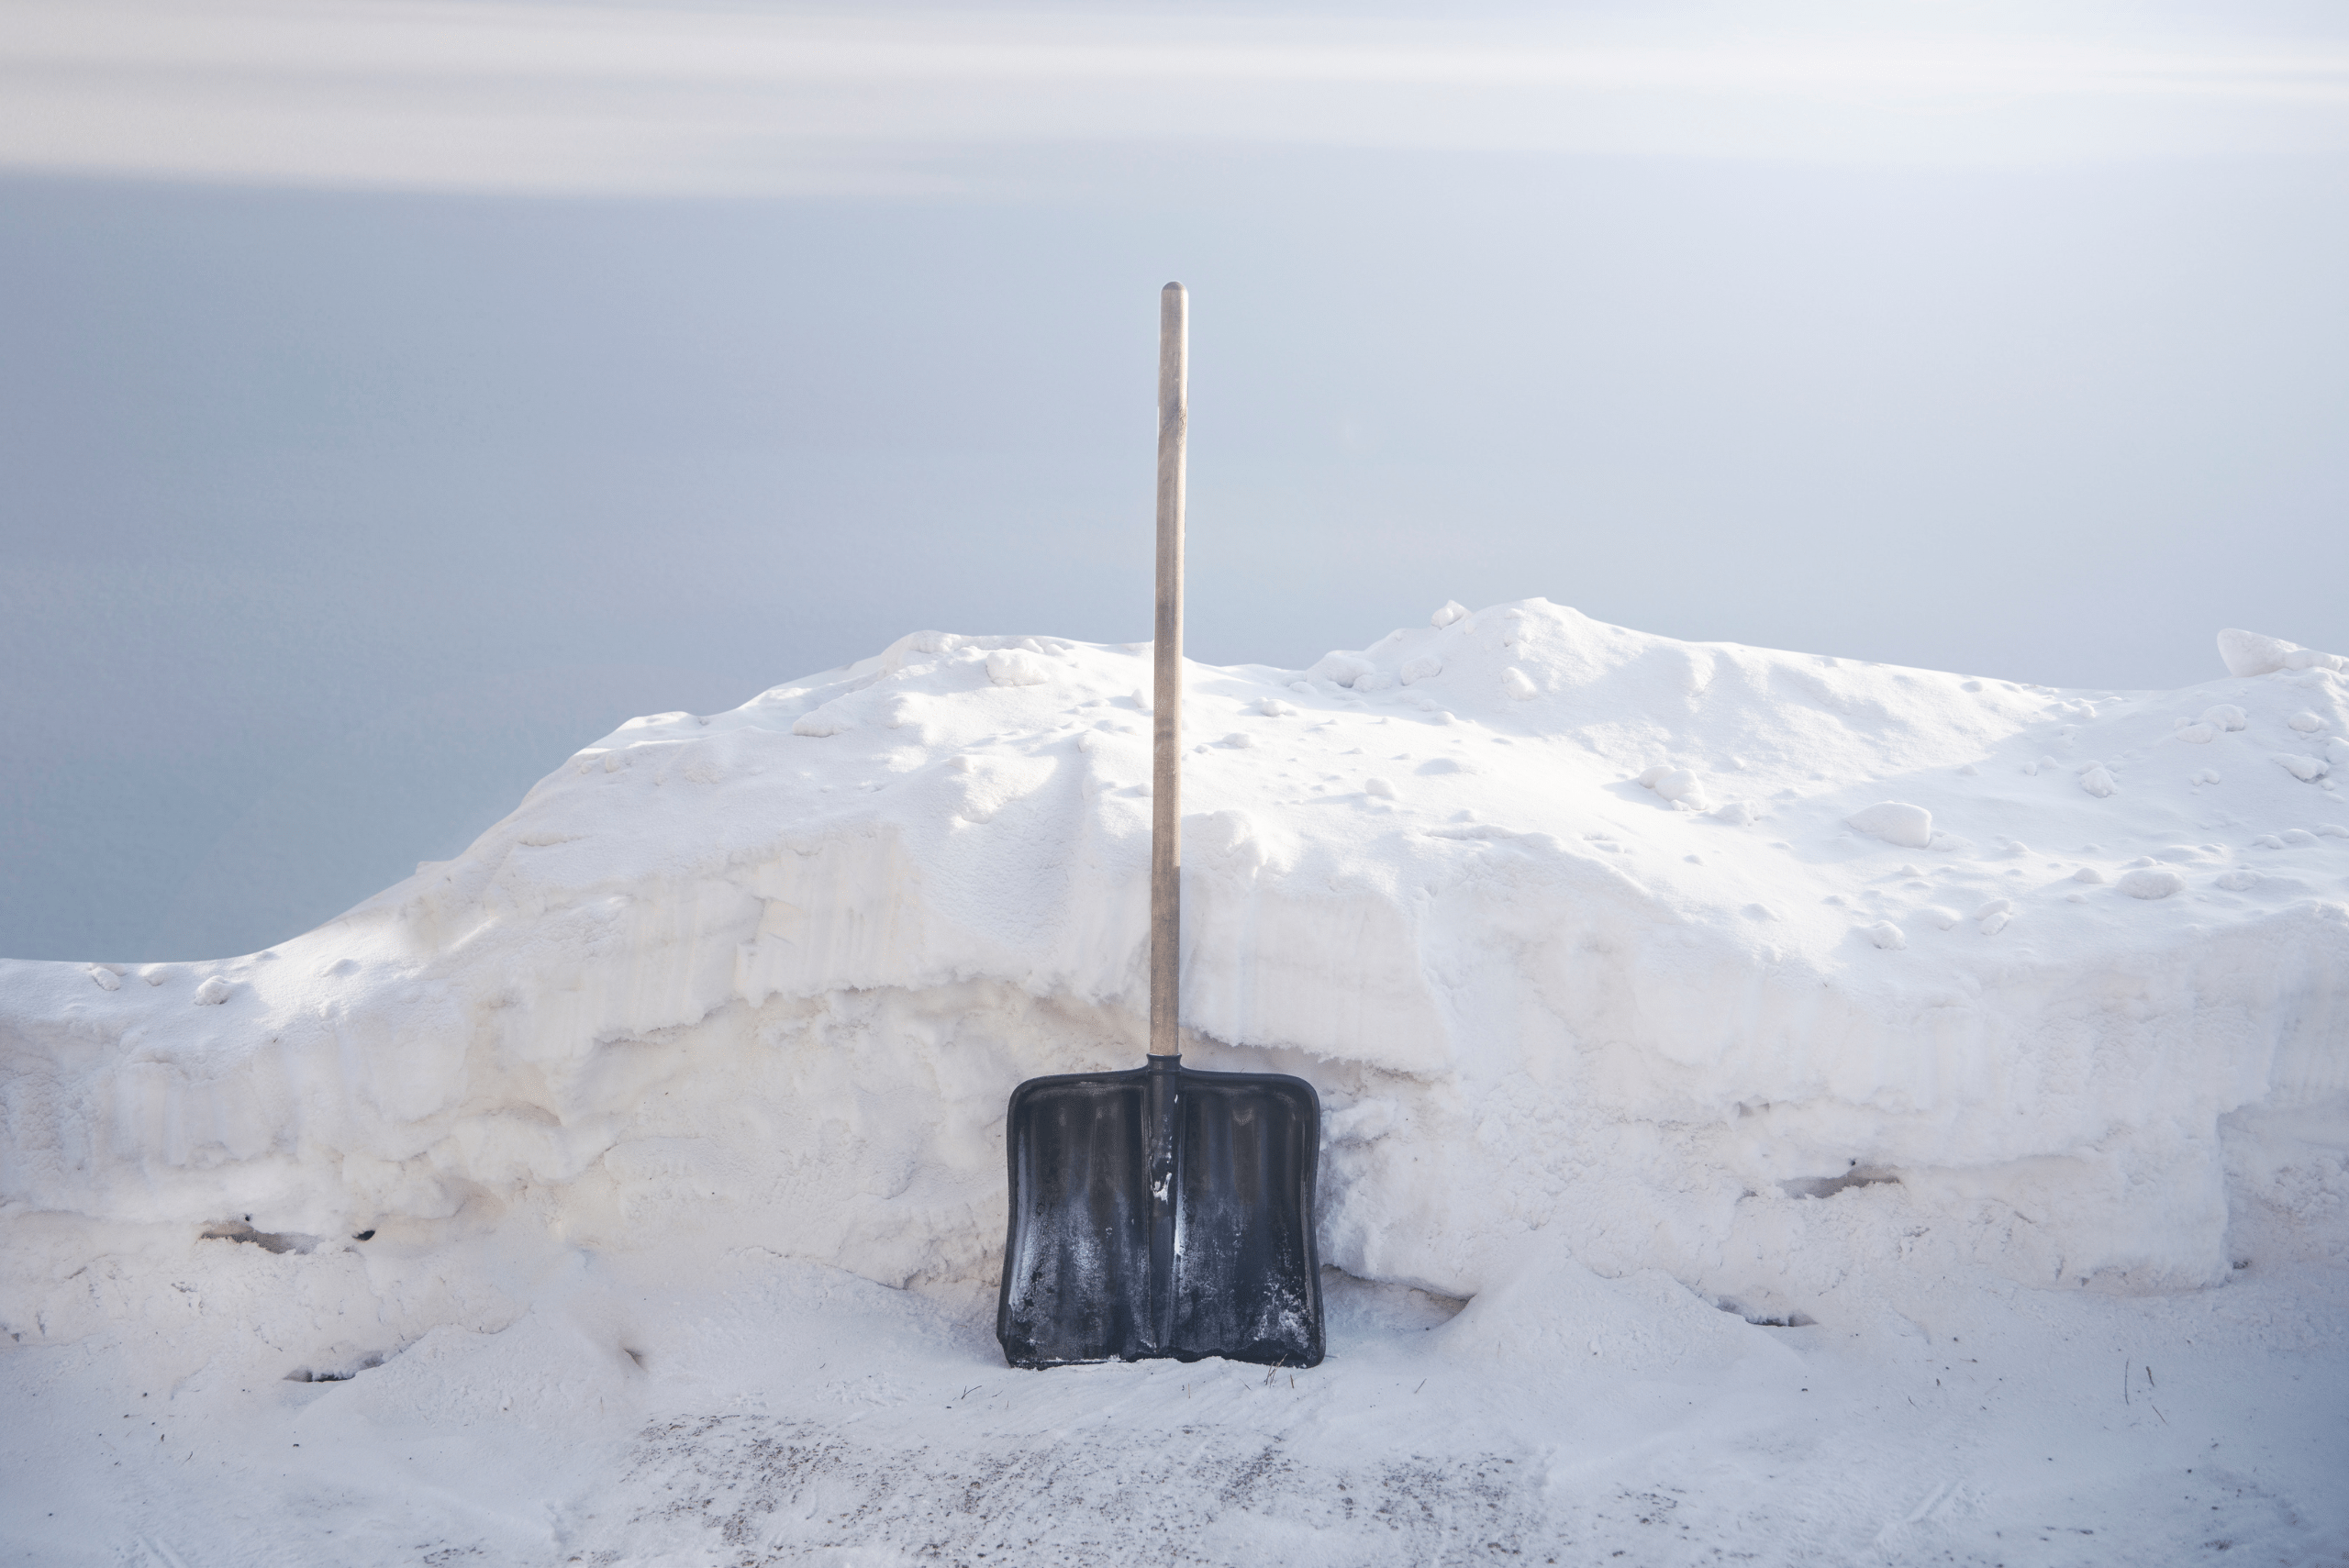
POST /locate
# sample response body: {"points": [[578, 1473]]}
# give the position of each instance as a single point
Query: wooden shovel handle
{"points": [[1167, 773]]}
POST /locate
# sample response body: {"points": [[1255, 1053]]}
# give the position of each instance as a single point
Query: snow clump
{"points": [[1016, 667], [1340, 669], [1679, 785], [2304, 768], [2249, 653], [2151, 882], [1896, 822], [831, 718]]}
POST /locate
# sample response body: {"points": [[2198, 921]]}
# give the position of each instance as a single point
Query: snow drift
{"points": [[1598, 945]]}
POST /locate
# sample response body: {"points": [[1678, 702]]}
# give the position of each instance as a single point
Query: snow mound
{"points": [[766, 977], [2249, 653]]}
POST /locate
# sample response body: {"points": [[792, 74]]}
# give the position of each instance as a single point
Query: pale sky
{"points": [[396, 396], [485, 95]]}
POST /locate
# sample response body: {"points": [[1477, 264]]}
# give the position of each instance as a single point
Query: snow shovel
{"points": [[1166, 1211]]}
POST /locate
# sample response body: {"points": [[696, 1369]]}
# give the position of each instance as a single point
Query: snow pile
{"points": [[2249, 653], [1600, 946]]}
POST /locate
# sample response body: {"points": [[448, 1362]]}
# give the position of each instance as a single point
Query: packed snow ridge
{"points": [[1599, 947]]}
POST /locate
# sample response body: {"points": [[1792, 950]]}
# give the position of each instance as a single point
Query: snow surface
{"points": [[1869, 1114]]}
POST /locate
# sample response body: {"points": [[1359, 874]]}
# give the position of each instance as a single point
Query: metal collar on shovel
{"points": [[1163, 1211]]}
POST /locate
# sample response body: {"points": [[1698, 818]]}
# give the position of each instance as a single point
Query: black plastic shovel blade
{"points": [[1162, 1212]]}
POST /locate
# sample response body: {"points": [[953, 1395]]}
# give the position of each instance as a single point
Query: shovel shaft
{"points": [[1166, 775]]}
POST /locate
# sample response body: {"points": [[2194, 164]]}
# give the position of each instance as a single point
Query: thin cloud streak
{"points": [[634, 99]]}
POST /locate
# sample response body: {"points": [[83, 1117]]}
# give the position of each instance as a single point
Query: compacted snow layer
{"points": [[679, 1406], [1655, 991]]}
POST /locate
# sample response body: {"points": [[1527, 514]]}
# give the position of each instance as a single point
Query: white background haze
{"points": [[397, 395]]}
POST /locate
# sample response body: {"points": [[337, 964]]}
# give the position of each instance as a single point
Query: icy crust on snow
{"points": [[1640, 946]]}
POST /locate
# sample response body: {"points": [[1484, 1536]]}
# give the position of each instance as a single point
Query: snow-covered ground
{"points": [[1779, 1110]]}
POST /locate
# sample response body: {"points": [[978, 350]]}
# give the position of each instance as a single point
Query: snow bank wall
{"points": [[1570, 925]]}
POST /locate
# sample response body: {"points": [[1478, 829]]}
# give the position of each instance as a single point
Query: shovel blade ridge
{"points": [[1081, 1280]]}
